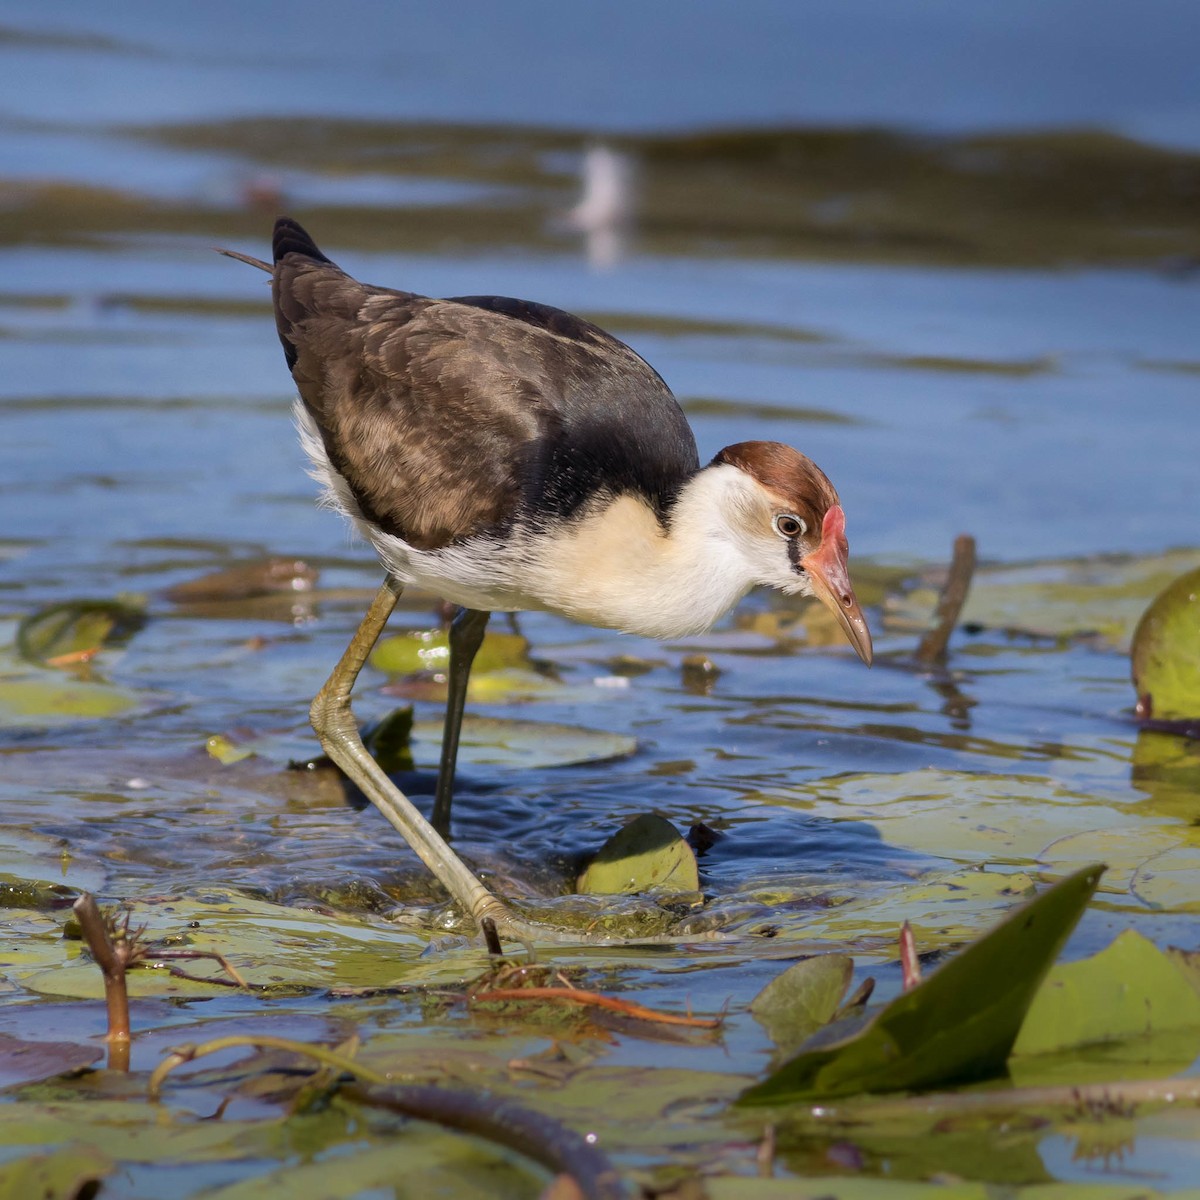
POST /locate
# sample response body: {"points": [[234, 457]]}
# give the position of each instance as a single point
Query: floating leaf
{"points": [[493, 741], [1158, 865], [22, 1061], [872, 1188], [56, 701], [270, 945], [798, 1002], [68, 1173], [1130, 989], [647, 853], [429, 650], [1166, 652], [75, 630], [959, 1023], [968, 816]]}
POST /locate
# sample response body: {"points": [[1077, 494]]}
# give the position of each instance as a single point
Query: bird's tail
{"points": [[292, 238]]}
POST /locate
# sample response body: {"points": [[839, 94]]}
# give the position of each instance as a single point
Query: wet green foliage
{"points": [[75, 631], [1166, 652], [960, 1023], [645, 855]]}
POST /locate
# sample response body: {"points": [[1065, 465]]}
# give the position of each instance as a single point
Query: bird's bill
{"points": [[830, 577]]}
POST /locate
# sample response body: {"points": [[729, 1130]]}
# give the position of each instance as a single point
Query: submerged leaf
{"points": [[1165, 657], [75, 630], [1130, 989], [795, 1004], [22, 1061], [959, 1023], [493, 741], [647, 853]]}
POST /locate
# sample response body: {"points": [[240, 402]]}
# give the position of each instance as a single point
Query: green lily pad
{"points": [[1166, 652], [1156, 865], [67, 1173], [77, 629], [798, 1002], [840, 1188], [496, 742], [958, 1023], [961, 815], [646, 854], [1130, 989], [430, 1162], [43, 702], [270, 945], [429, 650]]}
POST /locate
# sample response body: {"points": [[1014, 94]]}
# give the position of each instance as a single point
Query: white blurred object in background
{"points": [[604, 214]]}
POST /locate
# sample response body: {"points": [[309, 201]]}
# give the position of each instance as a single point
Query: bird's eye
{"points": [[788, 525]]}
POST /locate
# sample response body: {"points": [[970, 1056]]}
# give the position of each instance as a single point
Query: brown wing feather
{"points": [[395, 383], [449, 418]]}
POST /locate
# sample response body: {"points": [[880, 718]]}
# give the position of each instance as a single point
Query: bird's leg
{"points": [[466, 636], [338, 734]]}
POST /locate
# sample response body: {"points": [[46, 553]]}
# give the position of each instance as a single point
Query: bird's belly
{"points": [[481, 574]]}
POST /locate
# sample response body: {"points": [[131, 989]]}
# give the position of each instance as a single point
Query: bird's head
{"points": [[791, 529]]}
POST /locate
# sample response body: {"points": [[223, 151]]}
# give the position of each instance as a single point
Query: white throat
{"points": [[620, 570]]}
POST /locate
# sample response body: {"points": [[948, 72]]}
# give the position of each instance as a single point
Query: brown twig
{"points": [[932, 648], [573, 995], [910, 965]]}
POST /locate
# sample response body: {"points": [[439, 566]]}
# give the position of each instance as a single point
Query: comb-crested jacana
{"points": [[508, 456]]}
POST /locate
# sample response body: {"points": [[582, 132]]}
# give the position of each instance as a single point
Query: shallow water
{"points": [[957, 344]]}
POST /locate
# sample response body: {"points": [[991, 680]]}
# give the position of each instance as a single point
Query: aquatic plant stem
{"points": [[530, 1133], [187, 1054], [112, 963], [932, 648], [485, 1115]]}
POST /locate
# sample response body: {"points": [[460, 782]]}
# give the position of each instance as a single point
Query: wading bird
{"points": [[508, 456]]}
